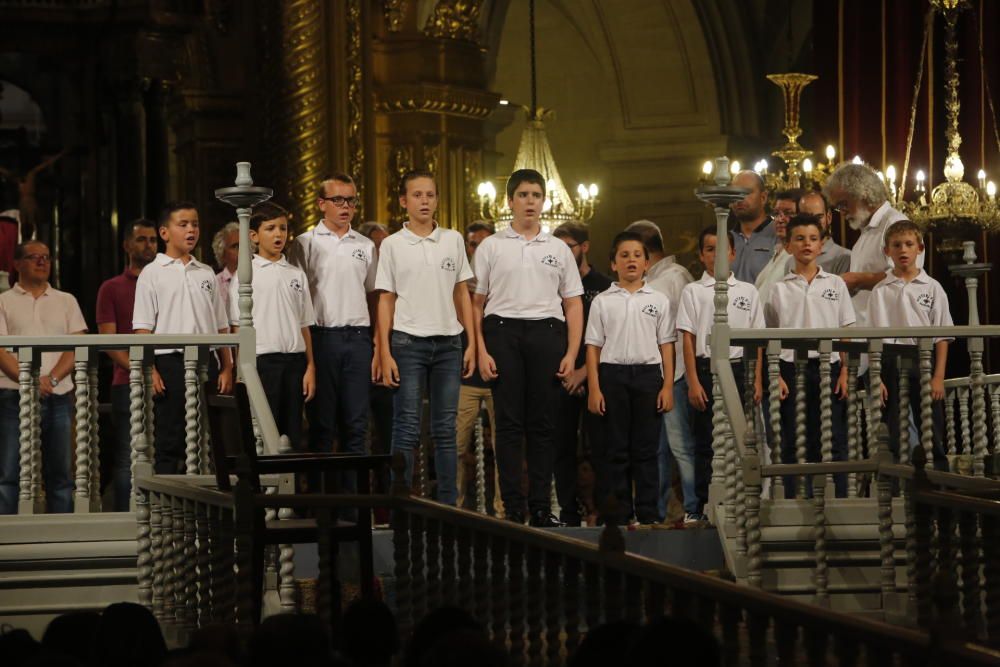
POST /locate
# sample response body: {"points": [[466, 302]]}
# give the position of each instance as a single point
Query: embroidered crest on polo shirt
{"points": [[448, 264], [741, 303], [295, 284], [360, 254], [206, 286], [651, 310], [551, 260], [831, 294], [926, 300]]}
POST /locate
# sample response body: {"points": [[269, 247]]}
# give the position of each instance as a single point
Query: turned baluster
{"points": [[37, 497], [83, 435], [192, 422], [853, 430], [95, 428], [801, 360], [963, 420], [204, 582], [786, 639], [144, 554], [944, 581], [816, 641], [571, 608], [225, 606], [156, 553], [592, 595], [757, 625], [553, 607], [971, 593], [820, 576], [480, 465], [721, 449], [874, 402], [903, 409], [27, 363], [137, 420], [498, 589], [245, 588], [418, 581], [753, 485], [534, 605], [923, 532], [180, 564], [475, 585], [287, 593], [449, 576], [774, 407], [926, 349], [167, 512], [189, 595], [204, 432], [730, 618], [215, 559], [705, 612], [847, 649], [980, 444], [633, 599], [887, 551], [991, 575], [515, 560], [949, 421], [995, 415], [401, 568], [433, 551], [326, 589]]}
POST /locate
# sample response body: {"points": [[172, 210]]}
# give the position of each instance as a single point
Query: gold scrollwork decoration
{"points": [[455, 19], [355, 99], [468, 103], [393, 10]]}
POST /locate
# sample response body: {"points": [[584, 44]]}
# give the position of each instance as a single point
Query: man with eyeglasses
{"points": [[786, 206], [34, 308], [340, 264], [833, 258]]}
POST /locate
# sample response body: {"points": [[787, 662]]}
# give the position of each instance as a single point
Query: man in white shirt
{"points": [[860, 195], [340, 264], [424, 306], [786, 204], [34, 308], [226, 248], [668, 277], [529, 324]]}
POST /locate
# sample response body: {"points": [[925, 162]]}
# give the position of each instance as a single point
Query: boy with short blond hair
{"points": [[695, 317], [177, 294], [282, 314], [908, 297], [809, 297]]}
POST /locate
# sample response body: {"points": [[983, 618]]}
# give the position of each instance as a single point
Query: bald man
{"points": [[755, 234], [833, 258]]}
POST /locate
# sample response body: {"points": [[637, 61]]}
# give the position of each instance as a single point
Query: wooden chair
{"points": [[235, 455]]}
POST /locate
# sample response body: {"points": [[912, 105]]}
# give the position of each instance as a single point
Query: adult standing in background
{"points": [[833, 258], [755, 235], [226, 248]]}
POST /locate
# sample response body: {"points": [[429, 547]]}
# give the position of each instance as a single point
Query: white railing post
{"points": [[139, 360], [979, 441], [95, 428], [192, 421], [81, 380], [27, 363]]}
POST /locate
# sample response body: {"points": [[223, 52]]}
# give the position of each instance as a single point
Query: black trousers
{"points": [[569, 426], [281, 375], [632, 436], [813, 434], [169, 424], [701, 426], [527, 355], [890, 413]]}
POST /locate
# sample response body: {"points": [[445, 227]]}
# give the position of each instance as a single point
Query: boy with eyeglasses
{"points": [[340, 265]]}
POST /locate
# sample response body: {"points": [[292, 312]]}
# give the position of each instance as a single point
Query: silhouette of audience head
{"points": [[299, 639], [689, 644], [440, 625], [605, 644], [128, 636], [72, 635], [370, 634]]}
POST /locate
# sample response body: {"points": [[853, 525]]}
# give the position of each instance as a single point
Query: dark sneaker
{"points": [[544, 519]]}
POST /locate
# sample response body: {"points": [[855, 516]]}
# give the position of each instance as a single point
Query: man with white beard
{"points": [[857, 192]]}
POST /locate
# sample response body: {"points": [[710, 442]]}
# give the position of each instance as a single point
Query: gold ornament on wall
{"points": [[455, 19]]}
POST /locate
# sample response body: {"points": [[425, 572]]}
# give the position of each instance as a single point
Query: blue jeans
{"points": [[434, 361], [677, 446], [121, 460], [343, 357], [56, 415]]}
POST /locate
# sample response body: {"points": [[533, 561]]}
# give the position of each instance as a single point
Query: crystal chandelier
{"points": [[533, 152]]}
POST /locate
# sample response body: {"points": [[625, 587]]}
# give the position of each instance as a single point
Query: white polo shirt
{"points": [[54, 313], [921, 302], [796, 304], [696, 313], [281, 306], [868, 254], [341, 271], [176, 298], [669, 278], [422, 272], [779, 265], [526, 279], [630, 327]]}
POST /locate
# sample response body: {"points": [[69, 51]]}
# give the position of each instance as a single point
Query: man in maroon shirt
{"points": [[115, 301]]}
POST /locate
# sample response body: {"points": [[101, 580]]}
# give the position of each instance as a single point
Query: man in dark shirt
{"points": [[115, 301], [573, 398]]}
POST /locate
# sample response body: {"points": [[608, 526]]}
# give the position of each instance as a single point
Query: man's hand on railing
{"points": [[696, 394]]}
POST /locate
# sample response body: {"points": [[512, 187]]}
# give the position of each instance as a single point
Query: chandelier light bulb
{"points": [[734, 168], [547, 206], [991, 189], [593, 190], [857, 160], [920, 176], [481, 190], [707, 168], [981, 175], [890, 173], [581, 191], [831, 152], [807, 166]]}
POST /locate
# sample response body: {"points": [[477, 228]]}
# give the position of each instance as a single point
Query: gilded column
{"points": [[298, 116]]}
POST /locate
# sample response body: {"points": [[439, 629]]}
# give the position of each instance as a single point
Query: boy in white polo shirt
{"points": [[810, 298], [340, 264], [908, 297], [282, 314], [695, 317], [529, 320], [177, 294], [423, 308], [630, 377]]}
